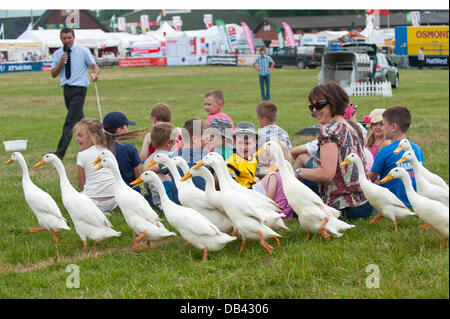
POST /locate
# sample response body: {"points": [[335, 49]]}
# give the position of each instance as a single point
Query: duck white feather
{"points": [[433, 213], [271, 212], [245, 215], [40, 202], [193, 226], [424, 187], [382, 199], [191, 196], [313, 214], [89, 221], [429, 176], [138, 214]]}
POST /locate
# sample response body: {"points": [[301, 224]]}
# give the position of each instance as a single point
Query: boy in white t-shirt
{"points": [[98, 185]]}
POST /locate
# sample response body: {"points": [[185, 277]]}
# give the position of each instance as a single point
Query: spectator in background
{"points": [[264, 64], [421, 58]]}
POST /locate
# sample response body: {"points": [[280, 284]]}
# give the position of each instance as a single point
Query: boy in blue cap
{"points": [[115, 124]]}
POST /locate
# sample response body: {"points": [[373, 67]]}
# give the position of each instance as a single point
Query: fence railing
{"points": [[383, 89]]}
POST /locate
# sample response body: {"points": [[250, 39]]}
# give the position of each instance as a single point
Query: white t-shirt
{"points": [[97, 183]]}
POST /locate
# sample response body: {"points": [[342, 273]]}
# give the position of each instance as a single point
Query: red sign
{"points": [[379, 12], [142, 62]]}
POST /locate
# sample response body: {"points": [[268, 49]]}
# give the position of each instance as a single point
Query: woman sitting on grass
{"points": [[338, 186]]}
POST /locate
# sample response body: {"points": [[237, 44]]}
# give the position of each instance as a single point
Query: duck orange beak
{"points": [[401, 161], [387, 178], [40, 163], [138, 181], [345, 162], [398, 149], [262, 149], [9, 161], [150, 164], [98, 160], [99, 167], [187, 176], [198, 164]]}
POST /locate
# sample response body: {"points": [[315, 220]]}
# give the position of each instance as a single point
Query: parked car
{"points": [[358, 62], [301, 57]]}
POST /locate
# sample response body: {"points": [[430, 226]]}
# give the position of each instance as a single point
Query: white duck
{"points": [[193, 197], [433, 213], [381, 198], [265, 205], [138, 214], [41, 203], [313, 214], [424, 187], [244, 214], [88, 219], [429, 176], [194, 228]]}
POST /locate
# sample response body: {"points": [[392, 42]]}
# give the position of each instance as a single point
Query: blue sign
{"points": [[25, 66]]}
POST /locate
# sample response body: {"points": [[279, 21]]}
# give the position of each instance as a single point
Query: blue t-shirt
{"points": [[385, 161], [128, 158]]}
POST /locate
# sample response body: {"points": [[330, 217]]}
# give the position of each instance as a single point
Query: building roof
{"points": [[15, 26], [194, 19], [355, 21]]}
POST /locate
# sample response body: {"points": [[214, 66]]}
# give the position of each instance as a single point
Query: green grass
{"points": [[412, 263]]}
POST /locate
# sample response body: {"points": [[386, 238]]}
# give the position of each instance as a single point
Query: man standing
{"points": [[264, 65], [72, 63], [421, 58]]}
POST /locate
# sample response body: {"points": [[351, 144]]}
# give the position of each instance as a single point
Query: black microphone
{"points": [[65, 49]]}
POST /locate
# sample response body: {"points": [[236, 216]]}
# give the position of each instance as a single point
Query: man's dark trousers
{"points": [[74, 97]]}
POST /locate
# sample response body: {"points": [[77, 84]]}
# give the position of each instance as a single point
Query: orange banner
{"points": [[142, 62]]}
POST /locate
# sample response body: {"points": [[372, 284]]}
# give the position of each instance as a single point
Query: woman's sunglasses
{"points": [[318, 105]]}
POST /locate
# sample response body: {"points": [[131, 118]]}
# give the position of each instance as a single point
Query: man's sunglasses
{"points": [[318, 105]]}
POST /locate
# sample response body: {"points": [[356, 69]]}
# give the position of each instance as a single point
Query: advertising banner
{"points": [[434, 40], [208, 20], [289, 34], [186, 60], [224, 35], [246, 59], [25, 66], [222, 60], [232, 35], [142, 62], [248, 37]]}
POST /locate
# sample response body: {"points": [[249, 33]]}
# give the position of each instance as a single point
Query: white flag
{"points": [[113, 21], [415, 17], [144, 20], [2, 31], [121, 23], [30, 27]]}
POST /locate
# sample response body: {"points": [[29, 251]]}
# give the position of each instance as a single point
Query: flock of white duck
{"points": [[206, 217]]}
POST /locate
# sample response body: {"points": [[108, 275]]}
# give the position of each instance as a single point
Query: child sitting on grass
{"points": [[221, 137], [214, 102], [242, 164], [161, 137], [375, 140], [116, 123], [159, 113], [194, 141], [98, 185], [271, 185], [396, 121]]}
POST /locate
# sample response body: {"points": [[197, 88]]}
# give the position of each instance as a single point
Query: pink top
{"points": [[280, 197], [369, 159], [375, 148], [220, 115]]}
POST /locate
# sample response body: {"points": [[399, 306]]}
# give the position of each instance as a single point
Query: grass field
{"points": [[412, 263]]}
